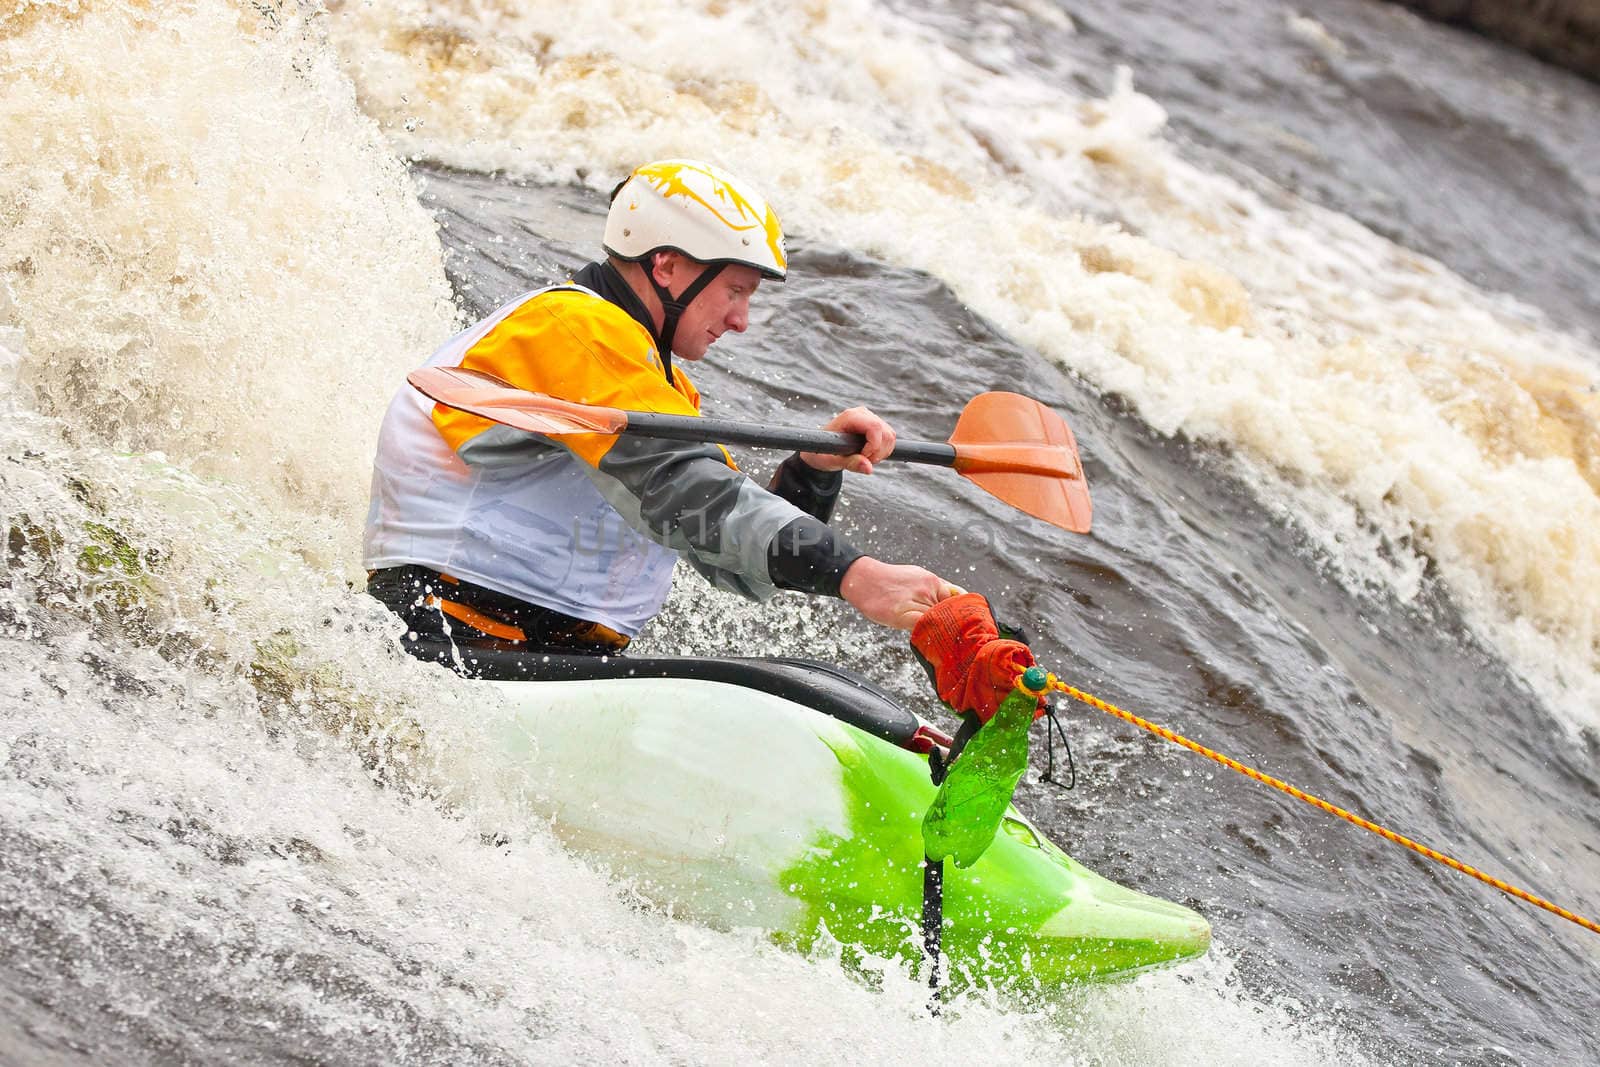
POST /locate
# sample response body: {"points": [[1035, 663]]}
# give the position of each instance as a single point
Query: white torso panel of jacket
{"points": [[542, 518]]}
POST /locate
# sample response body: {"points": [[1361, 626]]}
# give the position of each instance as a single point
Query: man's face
{"points": [[722, 306]]}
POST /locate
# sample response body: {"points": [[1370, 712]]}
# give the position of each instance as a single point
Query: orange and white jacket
{"points": [[585, 524]]}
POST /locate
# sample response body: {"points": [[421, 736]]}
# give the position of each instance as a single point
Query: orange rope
{"points": [[1250, 772]]}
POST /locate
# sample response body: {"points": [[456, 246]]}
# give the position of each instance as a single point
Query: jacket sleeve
{"points": [[812, 491], [687, 496], [809, 556]]}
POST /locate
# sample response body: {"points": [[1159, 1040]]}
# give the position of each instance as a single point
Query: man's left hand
{"points": [[880, 442], [972, 667]]}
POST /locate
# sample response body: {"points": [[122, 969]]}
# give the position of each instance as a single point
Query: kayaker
{"points": [[482, 536]]}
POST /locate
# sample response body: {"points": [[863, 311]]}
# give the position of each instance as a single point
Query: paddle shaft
{"points": [[932, 924], [1008, 445], [828, 442]]}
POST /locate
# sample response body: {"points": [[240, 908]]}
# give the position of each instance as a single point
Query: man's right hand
{"points": [[891, 594]]}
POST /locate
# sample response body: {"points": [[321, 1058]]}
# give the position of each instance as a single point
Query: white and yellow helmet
{"points": [[707, 214]]}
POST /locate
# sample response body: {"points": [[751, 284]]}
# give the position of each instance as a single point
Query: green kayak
{"points": [[789, 796]]}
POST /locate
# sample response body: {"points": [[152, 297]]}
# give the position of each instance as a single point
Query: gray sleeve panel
{"points": [[500, 447], [686, 497]]}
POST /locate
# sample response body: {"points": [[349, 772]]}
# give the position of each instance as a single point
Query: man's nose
{"points": [[738, 317]]}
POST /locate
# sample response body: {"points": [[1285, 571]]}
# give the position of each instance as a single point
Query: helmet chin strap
{"points": [[672, 308]]}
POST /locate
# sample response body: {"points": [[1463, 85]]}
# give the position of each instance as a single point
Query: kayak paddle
{"points": [[1013, 447]]}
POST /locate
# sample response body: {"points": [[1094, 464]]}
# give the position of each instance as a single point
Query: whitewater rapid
{"points": [[239, 823]]}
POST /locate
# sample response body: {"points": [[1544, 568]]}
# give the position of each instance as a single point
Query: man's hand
{"points": [[890, 594], [971, 666], [880, 442]]}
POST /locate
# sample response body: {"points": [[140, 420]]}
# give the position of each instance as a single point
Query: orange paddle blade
{"points": [[482, 394], [1020, 451]]}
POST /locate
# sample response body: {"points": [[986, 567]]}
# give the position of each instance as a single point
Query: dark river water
{"points": [[1444, 141]]}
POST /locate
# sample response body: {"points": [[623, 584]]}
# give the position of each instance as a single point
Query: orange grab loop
{"points": [[1317, 802]]}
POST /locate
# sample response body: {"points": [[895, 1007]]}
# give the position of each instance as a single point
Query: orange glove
{"points": [[972, 667]]}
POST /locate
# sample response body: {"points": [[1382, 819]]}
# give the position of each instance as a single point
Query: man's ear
{"points": [[663, 265]]}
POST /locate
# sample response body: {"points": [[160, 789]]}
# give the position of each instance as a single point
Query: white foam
{"points": [[212, 252]]}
